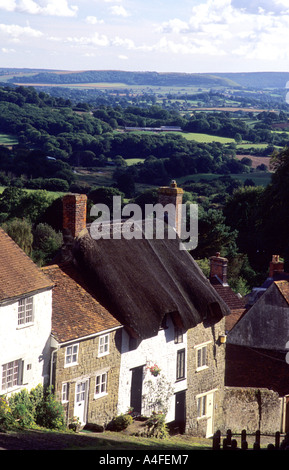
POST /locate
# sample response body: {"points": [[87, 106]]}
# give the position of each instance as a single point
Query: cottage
{"points": [[25, 320], [257, 347], [85, 350], [172, 318]]}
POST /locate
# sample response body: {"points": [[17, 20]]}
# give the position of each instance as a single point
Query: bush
{"points": [[6, 418], [49, 412], [121, 422], [156, 425], [27, 409]]}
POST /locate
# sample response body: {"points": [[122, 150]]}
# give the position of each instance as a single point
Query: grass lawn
{"points": [[260, 178]]}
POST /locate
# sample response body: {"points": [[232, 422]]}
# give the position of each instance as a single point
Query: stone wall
{"points": [[251, 409], [209, 379], [100, 410]]}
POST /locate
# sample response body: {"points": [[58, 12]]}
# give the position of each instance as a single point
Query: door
{"points": [[136, 389], [180, 411], [210, 414], [80, 406]]}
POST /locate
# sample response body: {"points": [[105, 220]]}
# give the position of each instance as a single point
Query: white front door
{"points": [[80, 406], [210, 414]]}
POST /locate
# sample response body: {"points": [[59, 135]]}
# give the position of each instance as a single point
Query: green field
{"points": [[205, 138], [260, 178], [7, 139]]}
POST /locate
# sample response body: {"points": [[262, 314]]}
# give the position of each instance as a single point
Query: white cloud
{"points": [[40, 7], [119, 10], [93, 20], [95, 40], [14, 31]]}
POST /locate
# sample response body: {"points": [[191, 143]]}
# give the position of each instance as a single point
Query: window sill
{"points": [[100, 395], [103, 354], [199, 369], [70, 365], [25, 325]]}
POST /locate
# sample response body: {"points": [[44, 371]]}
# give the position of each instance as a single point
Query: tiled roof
{"points": [[75, 312], [235, 304], [283, 287], [18, 274]]}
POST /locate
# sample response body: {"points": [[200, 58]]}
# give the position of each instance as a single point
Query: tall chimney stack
{"points": [[172, 195], [276, 266], [218, 268], [74, 213]]}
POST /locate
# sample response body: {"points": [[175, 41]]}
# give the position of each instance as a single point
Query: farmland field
{"points": [[7, 139]]}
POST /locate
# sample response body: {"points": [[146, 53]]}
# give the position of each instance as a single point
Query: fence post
{"points": [[229, 437], [244, 444], [216, 440], [277, 440], [257, 442]]}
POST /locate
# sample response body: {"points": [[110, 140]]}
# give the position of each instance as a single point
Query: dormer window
{"points": [[25, 311]]}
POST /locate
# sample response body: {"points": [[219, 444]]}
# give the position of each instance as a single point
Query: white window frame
{"points": [[71, 355], [201, 406], [25, 312], [16, 374], [103, 345], [65, 392], [201, 349], [101, 381]]}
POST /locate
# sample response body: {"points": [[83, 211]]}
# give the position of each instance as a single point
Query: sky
{"points": [[188, 36]]}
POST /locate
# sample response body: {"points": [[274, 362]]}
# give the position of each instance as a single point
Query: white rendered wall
{"points": [[160, 349], [30, 343]]}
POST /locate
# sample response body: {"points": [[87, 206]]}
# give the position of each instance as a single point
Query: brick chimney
{"points": [[74, 213], [218, 267], [172, 195], [276, 266]]}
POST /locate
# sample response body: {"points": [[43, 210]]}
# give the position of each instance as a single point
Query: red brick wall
{"points": [[74, 213]]}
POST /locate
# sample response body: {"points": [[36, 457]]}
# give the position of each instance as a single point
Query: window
{"points": [[11, 374], [101, 384], [65, 392], [103, 346], [181, 362], [25, 311], [178, 336], [71, 355], [202, 406], [201, 356]]}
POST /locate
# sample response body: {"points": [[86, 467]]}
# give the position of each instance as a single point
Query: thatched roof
{"points": [[140, 281]]}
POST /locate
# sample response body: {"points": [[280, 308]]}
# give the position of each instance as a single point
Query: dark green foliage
{"points": [[120, 422]]}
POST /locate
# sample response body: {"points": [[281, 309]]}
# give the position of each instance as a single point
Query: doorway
{"points": [[81, 401], [180, 411], [136, 389]]}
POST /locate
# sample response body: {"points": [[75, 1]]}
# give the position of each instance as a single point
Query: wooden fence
{"points": [[230, 443]]}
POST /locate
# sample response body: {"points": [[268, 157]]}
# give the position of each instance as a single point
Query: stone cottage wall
{"points": [[100, 410], [207, 379], [251, 409]]}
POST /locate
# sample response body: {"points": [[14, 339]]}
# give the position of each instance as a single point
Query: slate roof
{"points": [[141, 280], [75, 312], [18, 274]]}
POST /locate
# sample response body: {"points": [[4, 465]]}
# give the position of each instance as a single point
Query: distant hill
{"points": [[257, 80]]}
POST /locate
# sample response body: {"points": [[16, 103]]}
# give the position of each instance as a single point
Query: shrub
{"points": [[156, 425], [49, 412], [6, 418], [22, 409], [121, 422]]}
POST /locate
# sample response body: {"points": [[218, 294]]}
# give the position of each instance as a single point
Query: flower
{"points": [[154, 370]]}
